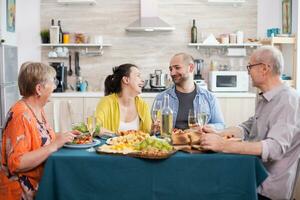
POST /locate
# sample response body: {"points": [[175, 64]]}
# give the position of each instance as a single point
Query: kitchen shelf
{"points": [[198, 45], [76, 45], [99, 52], [279, 40], [222, 48]]}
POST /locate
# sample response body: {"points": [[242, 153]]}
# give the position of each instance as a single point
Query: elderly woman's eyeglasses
{"points": [[250, 66]]}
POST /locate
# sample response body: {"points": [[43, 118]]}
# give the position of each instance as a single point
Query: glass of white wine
{"points": [[156, 109], [192, 119], [202, 115], [91, 121], [156, 115], [202, 118]]}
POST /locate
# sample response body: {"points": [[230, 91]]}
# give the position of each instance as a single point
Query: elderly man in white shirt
{"points": [[273, 133]]}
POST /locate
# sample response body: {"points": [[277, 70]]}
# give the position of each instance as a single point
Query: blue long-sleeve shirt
{"points": [[204, 101]]}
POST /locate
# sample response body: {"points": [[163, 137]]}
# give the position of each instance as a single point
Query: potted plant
{"points": [[45, 36]]}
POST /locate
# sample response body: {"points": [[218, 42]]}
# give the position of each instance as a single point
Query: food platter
{"points": [[154, 156], [82, 146], [140, 145], [190, 140], [138, 154]]}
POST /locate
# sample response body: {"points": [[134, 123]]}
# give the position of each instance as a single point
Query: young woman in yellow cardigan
{"points": [[122, 108]]}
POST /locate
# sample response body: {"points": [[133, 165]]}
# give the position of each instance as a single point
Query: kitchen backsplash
{"points": [[148, 50]]}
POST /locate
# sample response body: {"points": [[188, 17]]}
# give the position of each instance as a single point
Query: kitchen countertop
{"points": [[151, 94]]}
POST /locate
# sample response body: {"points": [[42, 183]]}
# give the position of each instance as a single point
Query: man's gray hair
{"points": [[272, 56], [187, 59]]}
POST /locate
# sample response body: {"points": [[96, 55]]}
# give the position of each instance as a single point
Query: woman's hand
{"points": [[65, 137], [34, 158]]}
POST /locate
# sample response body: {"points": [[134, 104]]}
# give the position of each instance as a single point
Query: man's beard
{"points": [[180, 79]]}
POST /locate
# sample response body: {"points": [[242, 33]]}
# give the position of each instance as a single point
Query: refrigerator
{"points": [[9, 91]]}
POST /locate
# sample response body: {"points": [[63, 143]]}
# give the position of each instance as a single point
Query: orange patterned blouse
{"points": [[22, 133]]}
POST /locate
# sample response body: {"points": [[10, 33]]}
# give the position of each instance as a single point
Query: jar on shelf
{"points": [[79, 38], [232, 38], [66, 38], [224, 38]]}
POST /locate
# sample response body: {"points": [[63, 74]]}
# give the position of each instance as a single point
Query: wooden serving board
{"points": [[140, 154]]}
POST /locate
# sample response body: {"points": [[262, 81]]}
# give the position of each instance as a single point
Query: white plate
{"points": [[83, 146], [106, 136]]}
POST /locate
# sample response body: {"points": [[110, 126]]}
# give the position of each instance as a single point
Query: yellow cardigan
{"points": [[108, 113]]}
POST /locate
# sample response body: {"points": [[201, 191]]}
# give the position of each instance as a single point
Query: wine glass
{"points": [[192, 119], [202, 115], [91, 121], [156, 115], [91, 125], [202, 118], [156, 109]]}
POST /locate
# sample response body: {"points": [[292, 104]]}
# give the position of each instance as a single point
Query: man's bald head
{"points": [[186, 58]]}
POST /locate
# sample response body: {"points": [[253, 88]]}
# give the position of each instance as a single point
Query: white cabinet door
{"points": [[89, 103], [62, 112], [49, 112], [149, 100], [237, 110]]}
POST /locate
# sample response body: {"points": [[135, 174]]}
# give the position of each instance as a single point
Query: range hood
{"points": [[149, 20]]}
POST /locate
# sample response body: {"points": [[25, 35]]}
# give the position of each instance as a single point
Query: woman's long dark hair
{"points": [[113, 82]]}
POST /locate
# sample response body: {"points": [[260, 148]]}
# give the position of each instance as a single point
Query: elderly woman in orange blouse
{"points": [[27, 139]]}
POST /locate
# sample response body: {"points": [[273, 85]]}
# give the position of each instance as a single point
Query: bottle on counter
{"points": [[78, 83], [194, 32], [61, 34], [166, 126]]}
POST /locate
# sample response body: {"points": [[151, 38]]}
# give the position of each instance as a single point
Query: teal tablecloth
{"points": [[77, 174]]}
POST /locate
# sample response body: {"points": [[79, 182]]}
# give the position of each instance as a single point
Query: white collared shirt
{"points": [[133, 125]]}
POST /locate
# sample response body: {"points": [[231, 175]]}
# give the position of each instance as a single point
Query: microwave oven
{"points": [[228, 81]]}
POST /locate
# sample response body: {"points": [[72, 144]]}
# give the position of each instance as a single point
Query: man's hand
{"points": [[212, 141], [208, 129]]}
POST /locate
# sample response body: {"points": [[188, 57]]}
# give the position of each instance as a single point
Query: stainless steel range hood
{"points": [[149, 20]]}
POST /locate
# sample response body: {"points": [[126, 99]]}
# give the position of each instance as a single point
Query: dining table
{"points": [[73, 174]]}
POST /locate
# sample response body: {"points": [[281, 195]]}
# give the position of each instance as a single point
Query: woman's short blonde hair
{"points": [[31, 74]]}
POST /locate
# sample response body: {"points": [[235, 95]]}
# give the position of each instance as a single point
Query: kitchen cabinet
{"points": [[66, 108], [90, 103], [62, 112], [149, 101], [237, 110]]}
